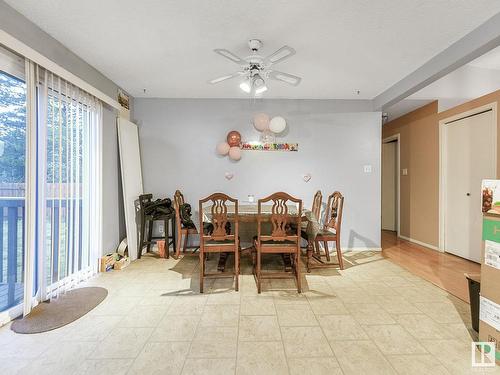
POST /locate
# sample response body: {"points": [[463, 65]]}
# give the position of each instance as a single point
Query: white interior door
{"points": [[389, 186], [130, 162], [470, 157]]}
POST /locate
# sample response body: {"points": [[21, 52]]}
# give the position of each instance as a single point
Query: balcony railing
{"points": [[12, 224], [12, 217]]}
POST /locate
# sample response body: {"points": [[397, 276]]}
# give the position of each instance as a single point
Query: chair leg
{"points": [[237, 270], [202, 270], [327, 252], [339, 254], [150, 234], [141, 238], [185, 242], [258, 272], [297, 272], [317, 250], [178, 247], [167, 244]]}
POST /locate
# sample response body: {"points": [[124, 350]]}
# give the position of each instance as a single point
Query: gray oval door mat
{"points": [[61, 311]]}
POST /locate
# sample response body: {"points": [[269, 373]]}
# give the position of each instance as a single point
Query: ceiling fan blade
{"points": [[282, 54], [231, 56], [285, 77], [226, 77]]}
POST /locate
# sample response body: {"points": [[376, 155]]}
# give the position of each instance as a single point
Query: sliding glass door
{"points": [[68, 130], [12, 179], [50, 185]]}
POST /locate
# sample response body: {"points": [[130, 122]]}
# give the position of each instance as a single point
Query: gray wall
{"points": [[336, 139], [21, 28]]}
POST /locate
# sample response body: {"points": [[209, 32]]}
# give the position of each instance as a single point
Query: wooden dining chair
{"points": [[219, 238], [316, 205], [280, 240], [181, 228], [330, 232], [316, 211]]}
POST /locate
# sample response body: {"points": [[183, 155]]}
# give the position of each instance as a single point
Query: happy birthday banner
{"points": [[259, 146]]}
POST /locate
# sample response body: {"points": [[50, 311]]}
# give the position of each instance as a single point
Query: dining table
{"points": [[248, 215]]}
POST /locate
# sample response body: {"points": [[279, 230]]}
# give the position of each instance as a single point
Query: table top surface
{"points": [[248, 212]]}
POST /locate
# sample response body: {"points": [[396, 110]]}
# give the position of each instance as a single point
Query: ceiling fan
{"points": [[255, 69]]}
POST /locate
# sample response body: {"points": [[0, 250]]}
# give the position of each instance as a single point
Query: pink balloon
{"points": [[223, 148], [261, 122], [235, 153]]}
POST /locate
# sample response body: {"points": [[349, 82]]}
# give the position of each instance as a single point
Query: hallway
{"points": [[443, 270]]}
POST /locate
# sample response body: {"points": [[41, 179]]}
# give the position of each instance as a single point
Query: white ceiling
{"points": [[342, 46], [479, 77]]}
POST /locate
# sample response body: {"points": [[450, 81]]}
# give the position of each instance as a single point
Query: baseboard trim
{"points": [[357, 249], [432, 247]]}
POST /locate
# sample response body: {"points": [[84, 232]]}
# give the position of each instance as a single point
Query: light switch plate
{"points": [[405, 171], [367, 168]]}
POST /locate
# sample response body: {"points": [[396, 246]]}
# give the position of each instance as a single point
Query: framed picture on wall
{"points": [[123, 99]]}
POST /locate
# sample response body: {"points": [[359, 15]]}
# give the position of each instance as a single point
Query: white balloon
{"points": [[277, 124], [235, 153]]}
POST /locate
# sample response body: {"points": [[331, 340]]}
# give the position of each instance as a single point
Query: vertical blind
{"points": [[69, 183]]}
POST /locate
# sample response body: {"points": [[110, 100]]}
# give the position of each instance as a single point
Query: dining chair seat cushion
{"points": [[327, 232], [219, 243], [278, 243]]}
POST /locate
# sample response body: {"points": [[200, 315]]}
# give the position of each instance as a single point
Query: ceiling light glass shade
{"points": [[259, 84], [258, 81], [245, 86], [261, 89]]}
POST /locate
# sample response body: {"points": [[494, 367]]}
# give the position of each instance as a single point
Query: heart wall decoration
{"points": [[307, 177], [228, 176]]}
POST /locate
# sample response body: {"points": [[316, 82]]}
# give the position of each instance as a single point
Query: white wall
{"points": [[178, 139]]}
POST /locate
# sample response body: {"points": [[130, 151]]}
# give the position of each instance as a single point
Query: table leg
{"points": [[287, 260], [222, 262], [310, 248]]}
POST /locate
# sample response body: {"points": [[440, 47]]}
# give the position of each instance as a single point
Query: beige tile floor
{"points": [[372, 318]]}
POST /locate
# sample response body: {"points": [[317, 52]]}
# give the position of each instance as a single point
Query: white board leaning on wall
{"points": [[131, 172]]}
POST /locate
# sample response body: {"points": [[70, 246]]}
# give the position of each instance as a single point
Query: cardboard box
{"points": [[122, 263], [489, 307], [107, 262]]}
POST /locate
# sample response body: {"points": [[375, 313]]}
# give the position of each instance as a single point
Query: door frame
{"points": [[443, 160], [397, 138]]}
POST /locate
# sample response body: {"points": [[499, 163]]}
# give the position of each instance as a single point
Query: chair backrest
{"points": [[280, 217], [219, 217], [316, 206], [333, 215], [178, 202]]}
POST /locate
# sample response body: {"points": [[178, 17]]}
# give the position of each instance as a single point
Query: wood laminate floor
{"points": [[442, 269]]}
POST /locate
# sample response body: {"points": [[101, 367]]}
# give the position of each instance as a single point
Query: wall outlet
{"points": [[161, 229], [405, 171], [367, 168]]}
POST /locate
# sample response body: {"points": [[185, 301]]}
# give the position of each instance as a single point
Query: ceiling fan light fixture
{"points": [[245, 86], [259, 84], [254, 67], [261, 89]]}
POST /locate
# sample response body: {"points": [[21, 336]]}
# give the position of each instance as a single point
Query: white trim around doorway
{"points": [[397, 138]]}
